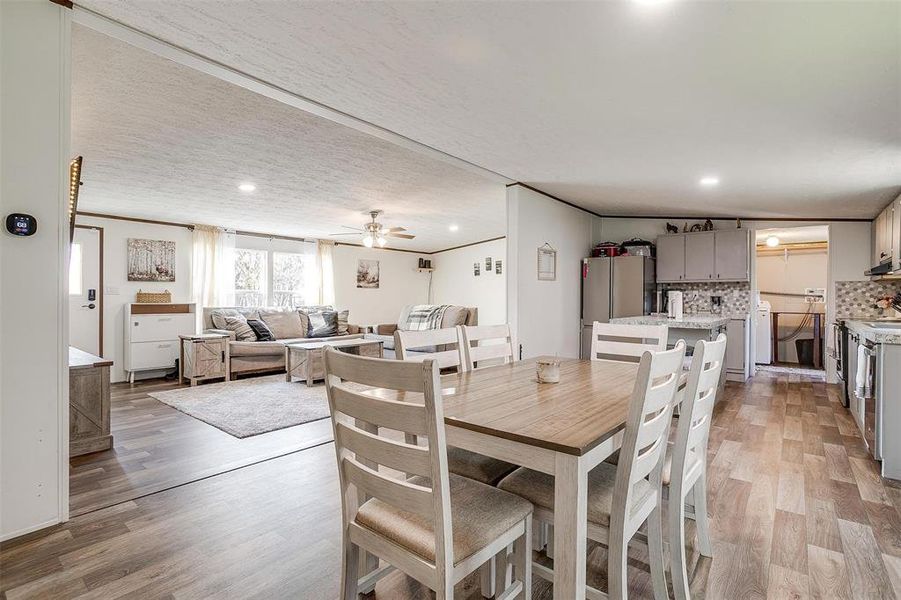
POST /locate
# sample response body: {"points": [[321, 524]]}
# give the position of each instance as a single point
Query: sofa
{"points": [[453, 316], [288, 326]]}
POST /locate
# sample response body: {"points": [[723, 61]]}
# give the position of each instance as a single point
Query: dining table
{"points": [[563, 429]]}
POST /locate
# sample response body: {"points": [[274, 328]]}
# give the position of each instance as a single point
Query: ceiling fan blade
{"points": [[342, 233], [395, 229], [405, 236], [349, 227]]}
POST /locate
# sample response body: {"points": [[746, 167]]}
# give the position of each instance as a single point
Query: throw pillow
{"points": [[284, 324], [232, 320], [454, 315], [323, 324], [342, 321], [262, 332]]}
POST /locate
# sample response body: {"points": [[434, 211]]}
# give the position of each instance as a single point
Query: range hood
{"points": [[880, 269]]}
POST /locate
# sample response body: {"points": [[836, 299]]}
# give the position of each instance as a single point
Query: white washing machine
{"points": [[764, 349]]}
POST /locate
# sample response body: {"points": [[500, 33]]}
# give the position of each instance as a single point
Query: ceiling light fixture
{"points": [[709, 181], [367, 240], [454, 228], [772, 241], [382, 241], [247, 187]]}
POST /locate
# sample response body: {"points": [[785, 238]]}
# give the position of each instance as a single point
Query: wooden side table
{"points": [[203, 356], [304, 360]]}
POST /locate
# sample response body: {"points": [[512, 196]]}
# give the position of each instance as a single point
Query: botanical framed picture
{"points": [[367, 274], [151, 260]]}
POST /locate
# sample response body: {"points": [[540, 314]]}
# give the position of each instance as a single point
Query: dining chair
{"points": [[499, 348], [615, 341], [623, 497], [425, 344], [685, 467], [435, 527]]}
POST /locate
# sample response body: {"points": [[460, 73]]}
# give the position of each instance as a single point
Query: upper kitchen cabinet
{"points": [[883, 231], [704, 256], [671, 258], [896, 233], [700, 250], [732, 249]]}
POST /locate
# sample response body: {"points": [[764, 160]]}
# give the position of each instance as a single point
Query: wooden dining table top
{"points": [[587, 406]]}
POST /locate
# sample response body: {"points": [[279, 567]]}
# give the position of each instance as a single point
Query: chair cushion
{"points": [[538, 488], [284, 324], [231, 320], [483, 469], [480, 514]]}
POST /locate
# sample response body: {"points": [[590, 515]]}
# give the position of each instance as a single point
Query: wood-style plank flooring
{"points": [[798, 511]]}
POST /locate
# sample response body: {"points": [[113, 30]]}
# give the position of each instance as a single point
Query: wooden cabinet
{"points": [[89, 403], [203, 356], [732, 260], [722, 255], [700, 252], [151, 335], [671, 258]]}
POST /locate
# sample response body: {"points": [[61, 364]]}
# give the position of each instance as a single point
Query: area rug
{"points": [[252, 406]]}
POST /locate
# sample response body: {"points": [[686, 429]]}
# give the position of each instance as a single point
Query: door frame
{"points": [[100, 288]]}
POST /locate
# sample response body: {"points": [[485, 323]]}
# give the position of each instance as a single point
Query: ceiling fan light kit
{"points": [[375, 234]]}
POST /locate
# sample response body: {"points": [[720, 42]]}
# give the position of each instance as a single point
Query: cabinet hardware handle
{"points": [[165, 318], [164, 346]]}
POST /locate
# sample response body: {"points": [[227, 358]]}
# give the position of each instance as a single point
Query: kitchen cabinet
{"points": [[732, 247], [738, 350], [700, 250], [671, 258], [721, 255], [883, 232], [896, 233]]}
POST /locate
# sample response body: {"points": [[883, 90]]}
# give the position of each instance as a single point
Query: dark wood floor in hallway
{"points": [[798, 511]]}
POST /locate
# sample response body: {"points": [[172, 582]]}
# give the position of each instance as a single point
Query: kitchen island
{"points": [[693, 327]]}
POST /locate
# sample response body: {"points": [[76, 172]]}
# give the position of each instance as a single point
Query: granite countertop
{"points": [[686, 322], [875, 333]]}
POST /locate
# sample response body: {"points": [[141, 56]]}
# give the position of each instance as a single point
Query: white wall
{"points": [[118, 291], [453, 281], [544, 315], [34, 156], [399, 284]]}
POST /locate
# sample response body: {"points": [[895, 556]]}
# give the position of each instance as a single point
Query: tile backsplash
{"points": [[856, 298], [696, 297]]}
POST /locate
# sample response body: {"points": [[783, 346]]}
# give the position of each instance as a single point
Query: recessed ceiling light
{"points": [[772, 241], [453, 228], [247, 187], [709, 181]]}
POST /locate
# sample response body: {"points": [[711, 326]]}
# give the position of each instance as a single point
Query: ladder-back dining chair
{"points": [[434, 526], [487, 343], [614, 341], [623, 497], [421, 345]]}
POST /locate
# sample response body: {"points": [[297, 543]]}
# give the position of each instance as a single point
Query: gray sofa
{"points": [[453, 316], [251, 356]]}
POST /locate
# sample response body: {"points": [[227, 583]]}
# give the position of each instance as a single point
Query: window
{"points": [[75, 271], [290, 276], [251, 270]]}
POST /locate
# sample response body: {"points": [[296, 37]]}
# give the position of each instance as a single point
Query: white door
{"points": [[84, 291]]}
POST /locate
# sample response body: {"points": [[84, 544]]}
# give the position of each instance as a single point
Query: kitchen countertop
{"points": [[686, 322], [875, 333]]}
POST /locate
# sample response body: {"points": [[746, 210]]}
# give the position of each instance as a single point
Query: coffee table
{"points": [[304, 360]]}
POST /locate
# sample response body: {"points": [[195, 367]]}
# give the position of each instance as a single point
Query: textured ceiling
{"points": [[162, 141], [617, 106]]}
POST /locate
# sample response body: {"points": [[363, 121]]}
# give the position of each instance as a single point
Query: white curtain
{"points": [[326, 268], [213, 267]]}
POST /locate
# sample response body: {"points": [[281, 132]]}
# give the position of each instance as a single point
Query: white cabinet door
{"points": [[732, 260], [736, 334], [896, 234], [670, 258], [699, 256]]}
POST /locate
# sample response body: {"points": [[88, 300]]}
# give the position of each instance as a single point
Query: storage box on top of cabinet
{"points": [[151, 335], [720, 255]]}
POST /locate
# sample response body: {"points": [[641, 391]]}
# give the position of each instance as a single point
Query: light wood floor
{"points": [[797, 508]]}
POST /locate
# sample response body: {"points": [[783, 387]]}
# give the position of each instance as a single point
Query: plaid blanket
{"points": [[425, 316]]}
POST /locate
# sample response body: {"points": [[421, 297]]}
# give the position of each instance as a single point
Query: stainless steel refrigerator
{"points": [[622, 286]]}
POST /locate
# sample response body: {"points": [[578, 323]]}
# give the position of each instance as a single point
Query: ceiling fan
{"points": [[374, 233]]}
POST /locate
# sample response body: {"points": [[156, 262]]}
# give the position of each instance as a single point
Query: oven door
{"points": [[872, 433]]}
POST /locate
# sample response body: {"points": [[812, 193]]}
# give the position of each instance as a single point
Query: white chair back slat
{"points": [[371, 372], [396, 492], [416, 341], [383, 451], [381, 412], [486, 343], [614, 341]]}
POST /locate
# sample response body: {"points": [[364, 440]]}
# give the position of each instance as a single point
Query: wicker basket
{"points": [[163, 297]]}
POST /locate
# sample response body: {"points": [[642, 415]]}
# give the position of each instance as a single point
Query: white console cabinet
{"points": [[151, 335]]}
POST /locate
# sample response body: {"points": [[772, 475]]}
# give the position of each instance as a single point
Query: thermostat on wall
{"points": [[21, 224]]}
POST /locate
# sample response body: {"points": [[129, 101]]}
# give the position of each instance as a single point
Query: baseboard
{"points": [[9, 536]]}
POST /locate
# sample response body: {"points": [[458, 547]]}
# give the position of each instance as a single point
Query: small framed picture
{"points": [[476, 269], [497, 267], [547, 263], [488, 267]]}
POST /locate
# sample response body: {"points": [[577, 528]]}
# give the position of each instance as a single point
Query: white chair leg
{"points": [[617, 574], [539, 536], [678, 565], [701, 519], [522, 560], [349, 570], [486, 573], [655, 553], [502, 571], [550, 540]]}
